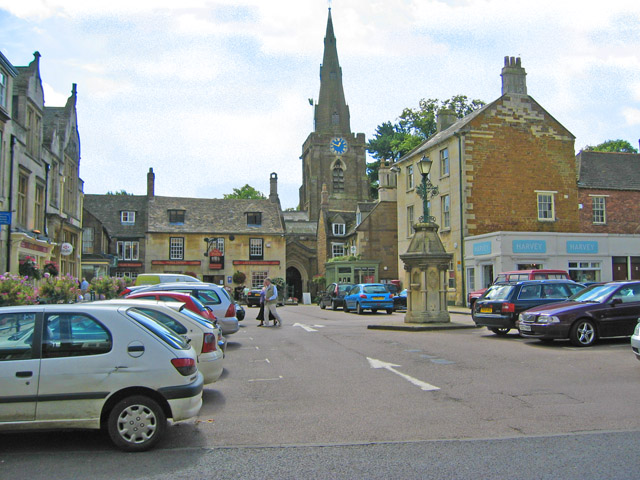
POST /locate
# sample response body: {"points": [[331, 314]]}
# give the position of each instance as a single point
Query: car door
{"points": [[19, 365], [622, 315], [76, 372], [350, 299]]}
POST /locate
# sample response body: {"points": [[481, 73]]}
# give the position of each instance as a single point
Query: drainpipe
{"points": [[47, 167], [462, 265], [12, 150]]}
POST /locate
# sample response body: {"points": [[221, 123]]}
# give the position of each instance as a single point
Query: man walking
{"points": [[271, 299]]}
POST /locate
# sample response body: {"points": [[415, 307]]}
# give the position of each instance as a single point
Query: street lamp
{"points": [[426, 189]]}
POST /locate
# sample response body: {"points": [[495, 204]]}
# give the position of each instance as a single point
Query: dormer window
{"points": [[338, 229], [254, 219], [127, 217], [176, 216]]}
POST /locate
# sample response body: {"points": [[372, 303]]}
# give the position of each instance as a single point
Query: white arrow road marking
{"points": [[265, 379], [390, 366], [305, 327]]}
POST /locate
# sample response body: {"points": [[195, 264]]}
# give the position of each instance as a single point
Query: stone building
{"points": [[40, 162]]}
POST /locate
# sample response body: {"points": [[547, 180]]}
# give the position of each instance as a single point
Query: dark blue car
{"points": [[372, 296]]}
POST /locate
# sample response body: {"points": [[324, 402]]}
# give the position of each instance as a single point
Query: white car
{"points": [[95, 366], [199, 332], [210, 294], [635, 341]]}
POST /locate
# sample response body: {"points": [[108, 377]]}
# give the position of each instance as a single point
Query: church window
{"points": [[335, 118], [338, 178]]}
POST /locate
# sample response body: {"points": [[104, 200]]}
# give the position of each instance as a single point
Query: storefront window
{"points": [[585, 271]]}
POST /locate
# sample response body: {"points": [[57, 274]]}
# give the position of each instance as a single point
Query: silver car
{"points": [[213, 296], [635, 341]]}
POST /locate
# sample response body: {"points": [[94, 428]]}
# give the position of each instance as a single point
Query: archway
{"points": [[294, 283]]}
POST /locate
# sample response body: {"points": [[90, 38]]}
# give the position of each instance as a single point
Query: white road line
{"points": [[265, 379], [390, 366], [305, 327]]}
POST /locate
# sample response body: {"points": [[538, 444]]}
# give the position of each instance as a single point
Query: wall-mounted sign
{"points": [[582, 247], [482, 248], [529, 246], [66, 249], [5, 218]]}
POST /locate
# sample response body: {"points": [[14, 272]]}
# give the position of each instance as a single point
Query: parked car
{"points": [[155, 278], [95, 366], [400, 301], [253, 297], [635, 340], [240, 313], [373, 296], [498, 308], [607, 310], [202, 334], [191, 302], [518, 275], [333, 295], [211, 295]]}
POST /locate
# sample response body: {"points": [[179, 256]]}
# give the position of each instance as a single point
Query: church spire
{"points": [[331, 111]]}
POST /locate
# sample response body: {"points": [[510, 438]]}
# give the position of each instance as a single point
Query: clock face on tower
{"points": [[338, 145]]}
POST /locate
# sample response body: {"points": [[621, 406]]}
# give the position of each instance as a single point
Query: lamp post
{"points": [[426, 190]]}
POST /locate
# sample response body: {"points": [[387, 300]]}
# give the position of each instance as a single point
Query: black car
{"points": [[334, 294], [400, 300], [253, 297], [601, 310], [498, 308]]}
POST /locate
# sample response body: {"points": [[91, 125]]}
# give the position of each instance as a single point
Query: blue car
{"points": [[372, 296]]}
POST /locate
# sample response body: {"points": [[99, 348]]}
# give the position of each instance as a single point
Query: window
{"points": [[585, 271], [599, 210], [471, 279], [257, 279], [70, 187], [546, 210], [410, 177], [33, 132], [87, 240], [176, 248], [444, 162], [338, 250], [254, 219], [127, 217], [74, 335], [358, 218], [176, 216], [21, 208], [55, 184], [131, 275], [338, 178], [216, 244], [38, 211], [16, 332], [335, 118], [255, 249], [338, 229], [127, 250], [446, 211], [451, 276], [3, 90], [410, 220]]}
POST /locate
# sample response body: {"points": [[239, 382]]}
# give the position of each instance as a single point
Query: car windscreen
{"points": [[165, 320], [344, 288], [198, 318], [374, 289], [594, 293], [170, 337], [498, 292]]}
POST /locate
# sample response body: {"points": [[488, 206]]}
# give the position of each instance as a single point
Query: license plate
{"points": [[486, 310], [377, 298], [525, 328]]}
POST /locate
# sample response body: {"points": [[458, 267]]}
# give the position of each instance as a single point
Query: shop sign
{"points": [[529, 246], [66, 249], [582, 247], [482, 248]]}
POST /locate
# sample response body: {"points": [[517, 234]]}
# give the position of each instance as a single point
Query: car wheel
{"points": [[334, 305], [345, 308], [136, 423], [359, 310], [499, 331], [322, 305], [583, 333], [389, 311]]}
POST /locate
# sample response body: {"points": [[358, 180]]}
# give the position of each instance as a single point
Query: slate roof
{"points": [[107, 208], [213, 215], [608, 171]]}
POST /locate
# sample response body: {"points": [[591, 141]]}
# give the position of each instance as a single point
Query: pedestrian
{"points": [[271, 299], [84, 288], [261, 312]]}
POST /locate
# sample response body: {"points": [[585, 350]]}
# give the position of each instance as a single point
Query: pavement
{"points": [[460, 318]]}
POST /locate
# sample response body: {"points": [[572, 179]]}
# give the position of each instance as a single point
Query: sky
{"points": [[213, 94]]}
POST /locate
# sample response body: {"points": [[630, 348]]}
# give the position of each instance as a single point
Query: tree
{"points": [[121, 192], [621, 146], [246, 192], [394, 140]]}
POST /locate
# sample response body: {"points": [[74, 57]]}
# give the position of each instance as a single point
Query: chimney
{"points": [[151, 181], [273, 192], [513, 77], [445, 118]]}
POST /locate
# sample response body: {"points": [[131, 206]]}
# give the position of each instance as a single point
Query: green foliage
{"points": [[278, 282], [62, 289], [15, 290], [319, 280], [120, 192], [620, 146], [345, 258], [107, 286], [239, 278], [246, 192], [394, 140]]}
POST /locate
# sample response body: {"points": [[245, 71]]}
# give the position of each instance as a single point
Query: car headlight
{"points": [[637, 330], [548, 319]]}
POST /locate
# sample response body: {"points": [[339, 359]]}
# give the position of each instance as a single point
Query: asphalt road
{"points": [[325, 397]]}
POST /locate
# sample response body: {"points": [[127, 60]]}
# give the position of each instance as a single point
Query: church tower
{"points": [[332, 155]]}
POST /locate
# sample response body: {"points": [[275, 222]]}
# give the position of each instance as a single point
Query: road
{"points": [[325, 397]]}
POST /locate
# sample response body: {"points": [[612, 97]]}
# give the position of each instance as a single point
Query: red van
{"points": [[516, 276]]}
